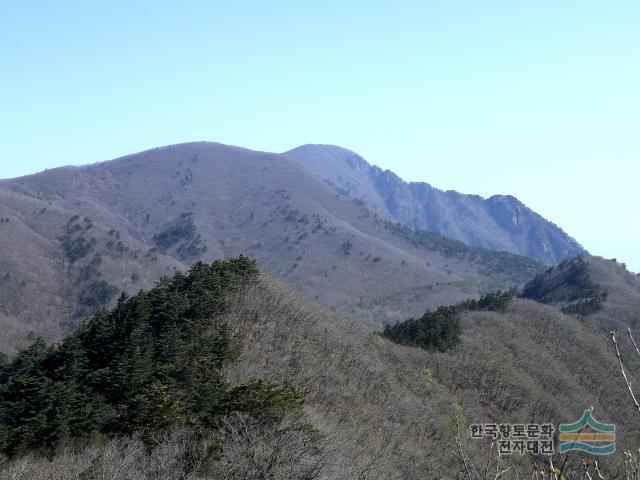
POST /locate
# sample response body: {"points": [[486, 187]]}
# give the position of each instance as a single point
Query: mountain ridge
{"points": [[71, 239], [86, 232], [375, 407], [499, 222]]}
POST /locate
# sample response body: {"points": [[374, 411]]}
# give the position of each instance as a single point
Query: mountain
{"points": [[71, 238], [389, 403], [371, 407], [600, 289], [500, 222]]}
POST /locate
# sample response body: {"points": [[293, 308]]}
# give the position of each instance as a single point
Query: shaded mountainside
{"points": [[603, 290], [72, 237], [500, 222], [372, 409]]}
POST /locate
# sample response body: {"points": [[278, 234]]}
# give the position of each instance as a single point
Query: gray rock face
{"points": [[500, 222]]}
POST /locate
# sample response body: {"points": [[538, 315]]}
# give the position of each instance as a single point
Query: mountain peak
{"points": [[324, 156], [501, 222], [71, 238], [322, 147]]}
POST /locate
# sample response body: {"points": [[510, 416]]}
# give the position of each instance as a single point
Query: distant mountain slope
{"points": [[500, 222], [75, 236], [600, 289]]}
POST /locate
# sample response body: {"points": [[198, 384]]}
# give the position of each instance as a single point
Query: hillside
{"points": [[71, 238], [373, 408], [600, 290], [500, 222]]}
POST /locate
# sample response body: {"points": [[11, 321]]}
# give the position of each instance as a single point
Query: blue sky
{"points": [[536, 99]]}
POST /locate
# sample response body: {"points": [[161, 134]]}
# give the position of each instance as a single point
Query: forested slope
{"points": [[372, 408]]}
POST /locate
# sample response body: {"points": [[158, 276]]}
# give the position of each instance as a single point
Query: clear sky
{"points": [[539, 99]]}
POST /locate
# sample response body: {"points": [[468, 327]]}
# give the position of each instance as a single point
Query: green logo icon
{"points": [[588, 435]]}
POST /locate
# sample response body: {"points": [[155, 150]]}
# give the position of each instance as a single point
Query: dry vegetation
{"points": [[394, 406], [381, 410], [373, 409], [145, 215]]}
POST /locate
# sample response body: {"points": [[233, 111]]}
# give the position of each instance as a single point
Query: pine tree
{"points": [[152, 363]]}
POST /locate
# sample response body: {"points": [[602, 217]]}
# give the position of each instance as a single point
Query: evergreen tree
{"points": [[152, 363], [439, 330]]}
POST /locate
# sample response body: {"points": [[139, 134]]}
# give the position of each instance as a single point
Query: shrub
{"points": [[97, 293], [182, 229], [495, 302], [566, 282], [585, 307], [569, 283], [182, 233], [439, 330]]}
